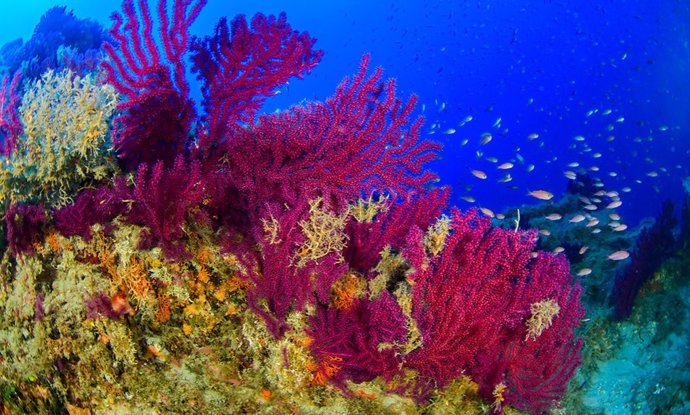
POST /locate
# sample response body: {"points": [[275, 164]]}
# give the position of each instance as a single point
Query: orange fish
{"points": [[583, 272], [592, 222], [619, 255], [479, 174], [541, 194], [614, 204], [577, 219], [488, 212]]}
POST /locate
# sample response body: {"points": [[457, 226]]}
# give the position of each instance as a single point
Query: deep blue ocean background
{"points": [[552, 68]]}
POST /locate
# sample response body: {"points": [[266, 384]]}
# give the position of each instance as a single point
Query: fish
{"points": [[541, 194], [584, 272], [592, 222], [596, 230], [579, 138], [468, 199], [506, 178], [620, 227], [505, 166], [577, 219], [614, 204], [619, 255], [545, 232], [465, 141], [533, 136], [553, 216], [479, 174], [583, 250], [558, 250], [449, 131], [614, 216], [569, 174], [497, 122], [492, 159], [486, 139], [585, 200], [488, 212], [529, 168], [590, 207], [500, 216]]}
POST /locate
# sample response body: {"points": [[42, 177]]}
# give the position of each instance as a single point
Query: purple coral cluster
{"points": [[654, 245], [257, 177]]}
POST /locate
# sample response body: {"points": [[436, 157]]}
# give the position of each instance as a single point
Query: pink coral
{"points": [[356, 143], [240, 68], [471, 304], [25, 225], [157, 111]]}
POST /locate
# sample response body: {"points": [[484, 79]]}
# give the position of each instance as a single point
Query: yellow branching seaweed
{"points": [[324, 231], [388, 268], [365, 210], [435, 238], [65, 144], [542, 316]]}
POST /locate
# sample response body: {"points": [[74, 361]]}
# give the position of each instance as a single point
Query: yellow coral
{"points": [[365, 210], [499, 398], [65, 143], [324, 231], [542, 316], [435, 238]]}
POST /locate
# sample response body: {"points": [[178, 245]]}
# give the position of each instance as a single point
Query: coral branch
{"points": [[473, 303], [355, 144], [158, 112], [240, 68]]}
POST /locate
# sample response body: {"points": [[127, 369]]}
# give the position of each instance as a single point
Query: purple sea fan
{"points": [[654, 244], [91, 206], [10, 126], [472, 303], [280, 284], [161, 201], [365, 338], [24, 225]]}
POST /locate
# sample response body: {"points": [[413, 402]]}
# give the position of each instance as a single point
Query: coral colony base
{"points": [[297, 262]]}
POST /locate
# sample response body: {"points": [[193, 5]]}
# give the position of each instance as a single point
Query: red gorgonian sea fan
{"points": [[491, 307], [487, 306], [238, 70]]}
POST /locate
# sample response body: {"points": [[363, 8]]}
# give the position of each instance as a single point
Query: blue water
{"points": [[539, 66]]}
